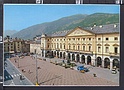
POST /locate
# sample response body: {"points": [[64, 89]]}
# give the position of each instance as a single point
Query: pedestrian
{"points": [[29, 71]]}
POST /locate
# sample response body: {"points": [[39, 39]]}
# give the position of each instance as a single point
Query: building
{"points": [[36, 45], [15, 45], [97, 45]]}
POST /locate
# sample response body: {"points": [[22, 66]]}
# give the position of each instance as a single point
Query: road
{"points": [[12, 75]]}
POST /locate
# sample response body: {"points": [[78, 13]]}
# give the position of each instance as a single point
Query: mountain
{"points": [[67, 23], [9, 32]]}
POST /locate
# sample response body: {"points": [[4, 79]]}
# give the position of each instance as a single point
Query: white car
{"points": [[113, 71]]}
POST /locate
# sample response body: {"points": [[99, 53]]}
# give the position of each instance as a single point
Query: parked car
{"points": [[80, 68], [113, 71]]}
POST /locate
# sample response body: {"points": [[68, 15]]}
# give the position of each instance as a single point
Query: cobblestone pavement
{"points": [[51, 74]]}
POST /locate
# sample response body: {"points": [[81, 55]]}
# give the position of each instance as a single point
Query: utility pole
{"points": [[18, 61], [36, 68]]}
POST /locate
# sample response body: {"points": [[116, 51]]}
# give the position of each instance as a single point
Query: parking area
{"points": [[52, 74]]}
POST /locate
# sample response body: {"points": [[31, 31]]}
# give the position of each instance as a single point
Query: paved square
{"points": [[51, 74]]}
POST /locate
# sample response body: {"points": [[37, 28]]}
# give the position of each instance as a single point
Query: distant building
{"points": [[36, 45], [15, 45], [97, 45]]}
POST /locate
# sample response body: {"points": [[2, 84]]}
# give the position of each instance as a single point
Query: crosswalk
{"points": [[6, 77]]}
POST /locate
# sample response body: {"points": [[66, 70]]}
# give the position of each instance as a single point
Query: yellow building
{"points": [[97, 46], [15, 45]]}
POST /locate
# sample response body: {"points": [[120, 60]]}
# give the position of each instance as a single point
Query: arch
{"points": [[106, 63], [115, 63], [82, 59], [54, 53], [73, 57], [64, 55], [42, 53], [99, 61], [89, 60], [60, 54], [78, 58], [47, 53], [69, 56]]}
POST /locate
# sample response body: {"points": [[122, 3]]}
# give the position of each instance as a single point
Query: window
{"points": [[48, 39], [83, 39], [60, 46], [78, 39], [69, 47], [89, 39], [64, 46], [78, 47], [57, 45], [54, 45], [48, 46], [89, 48], [99, 38], [107, 38], [73, 47], [73, 38], [99, 49], [116, 38], [116, 50], [83, 48], [107, 49]]}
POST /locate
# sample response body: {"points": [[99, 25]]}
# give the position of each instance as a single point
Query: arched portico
{"points": [[107, 63], [88, 60], [78, 58], [64, 55], [82, 59], [115, 63], [99, 61], [60, 54], [73, 57]]}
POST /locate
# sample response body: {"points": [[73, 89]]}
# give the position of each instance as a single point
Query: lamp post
{"points": [[18, 61], [36, 67]]}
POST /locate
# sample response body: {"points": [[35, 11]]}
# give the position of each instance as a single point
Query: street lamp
{"points": [[36, 68], [18, 61]]}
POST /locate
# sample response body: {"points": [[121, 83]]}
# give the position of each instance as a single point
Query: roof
{"points": [[60, 33], [102, 29]]}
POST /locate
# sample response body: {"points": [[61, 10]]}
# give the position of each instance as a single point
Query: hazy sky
{"points": [[18, 17]]}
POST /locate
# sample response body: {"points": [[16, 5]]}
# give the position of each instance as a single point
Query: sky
{"points": [[18, 17]]}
